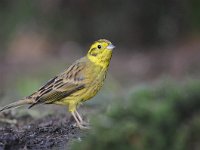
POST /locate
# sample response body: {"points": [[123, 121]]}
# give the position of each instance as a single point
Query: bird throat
{"points": [[101, 60]]}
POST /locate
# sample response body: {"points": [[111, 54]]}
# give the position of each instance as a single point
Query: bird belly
{"points": [[92, 91], [74, 98], [84, 94]]}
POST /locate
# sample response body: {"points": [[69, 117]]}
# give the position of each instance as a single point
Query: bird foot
{"points": [[85, 123], [82, 126], [9, 121]]}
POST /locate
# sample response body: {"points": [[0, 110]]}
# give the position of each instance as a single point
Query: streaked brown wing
{"points": [[61, 86], [54, 95]]}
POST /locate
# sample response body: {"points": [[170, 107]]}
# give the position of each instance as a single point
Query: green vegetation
{"points": [[165, 117]]}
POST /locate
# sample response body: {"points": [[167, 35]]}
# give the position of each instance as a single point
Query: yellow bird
{"points": [[78, 83]]}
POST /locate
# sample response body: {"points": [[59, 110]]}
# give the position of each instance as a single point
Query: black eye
{"points": [[99, 46]]}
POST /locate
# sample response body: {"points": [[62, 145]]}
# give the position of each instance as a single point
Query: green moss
{"points": [[153, 118]]}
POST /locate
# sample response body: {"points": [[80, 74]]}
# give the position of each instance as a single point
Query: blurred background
{"points": [[155, 40], [152, 38]]}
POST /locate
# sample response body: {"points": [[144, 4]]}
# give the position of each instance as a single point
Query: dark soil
{"points": [[51, 132]]}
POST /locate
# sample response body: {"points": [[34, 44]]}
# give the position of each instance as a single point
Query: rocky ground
{"points": [[51, 132]]}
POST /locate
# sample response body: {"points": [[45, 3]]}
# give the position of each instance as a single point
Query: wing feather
{"points": [[61, 86]]}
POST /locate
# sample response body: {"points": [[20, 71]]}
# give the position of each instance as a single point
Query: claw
{"points": [[9, 121], [81, 126]]}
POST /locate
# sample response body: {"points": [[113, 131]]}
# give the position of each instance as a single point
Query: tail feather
{"points": [[17, 104]]}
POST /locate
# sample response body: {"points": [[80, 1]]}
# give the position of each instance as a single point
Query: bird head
{"points": [[100, 52]]}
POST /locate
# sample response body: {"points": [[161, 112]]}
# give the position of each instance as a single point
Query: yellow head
{"points": [[100, 52]]}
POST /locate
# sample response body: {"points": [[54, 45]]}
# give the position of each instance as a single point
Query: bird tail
{"points": [[17, 104]]}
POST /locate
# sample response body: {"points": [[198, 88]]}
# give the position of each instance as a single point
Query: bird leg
{"points": [[80, 119], [78, 122], [79, 116]]}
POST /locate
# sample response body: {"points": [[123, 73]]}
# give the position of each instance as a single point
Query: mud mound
{"points": [[47, 133]]}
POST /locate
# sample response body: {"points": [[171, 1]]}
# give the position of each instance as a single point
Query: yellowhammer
{"points": [[80, 82]]}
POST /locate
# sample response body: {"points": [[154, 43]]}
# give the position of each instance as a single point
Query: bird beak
{"points": [[110, 47]]}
